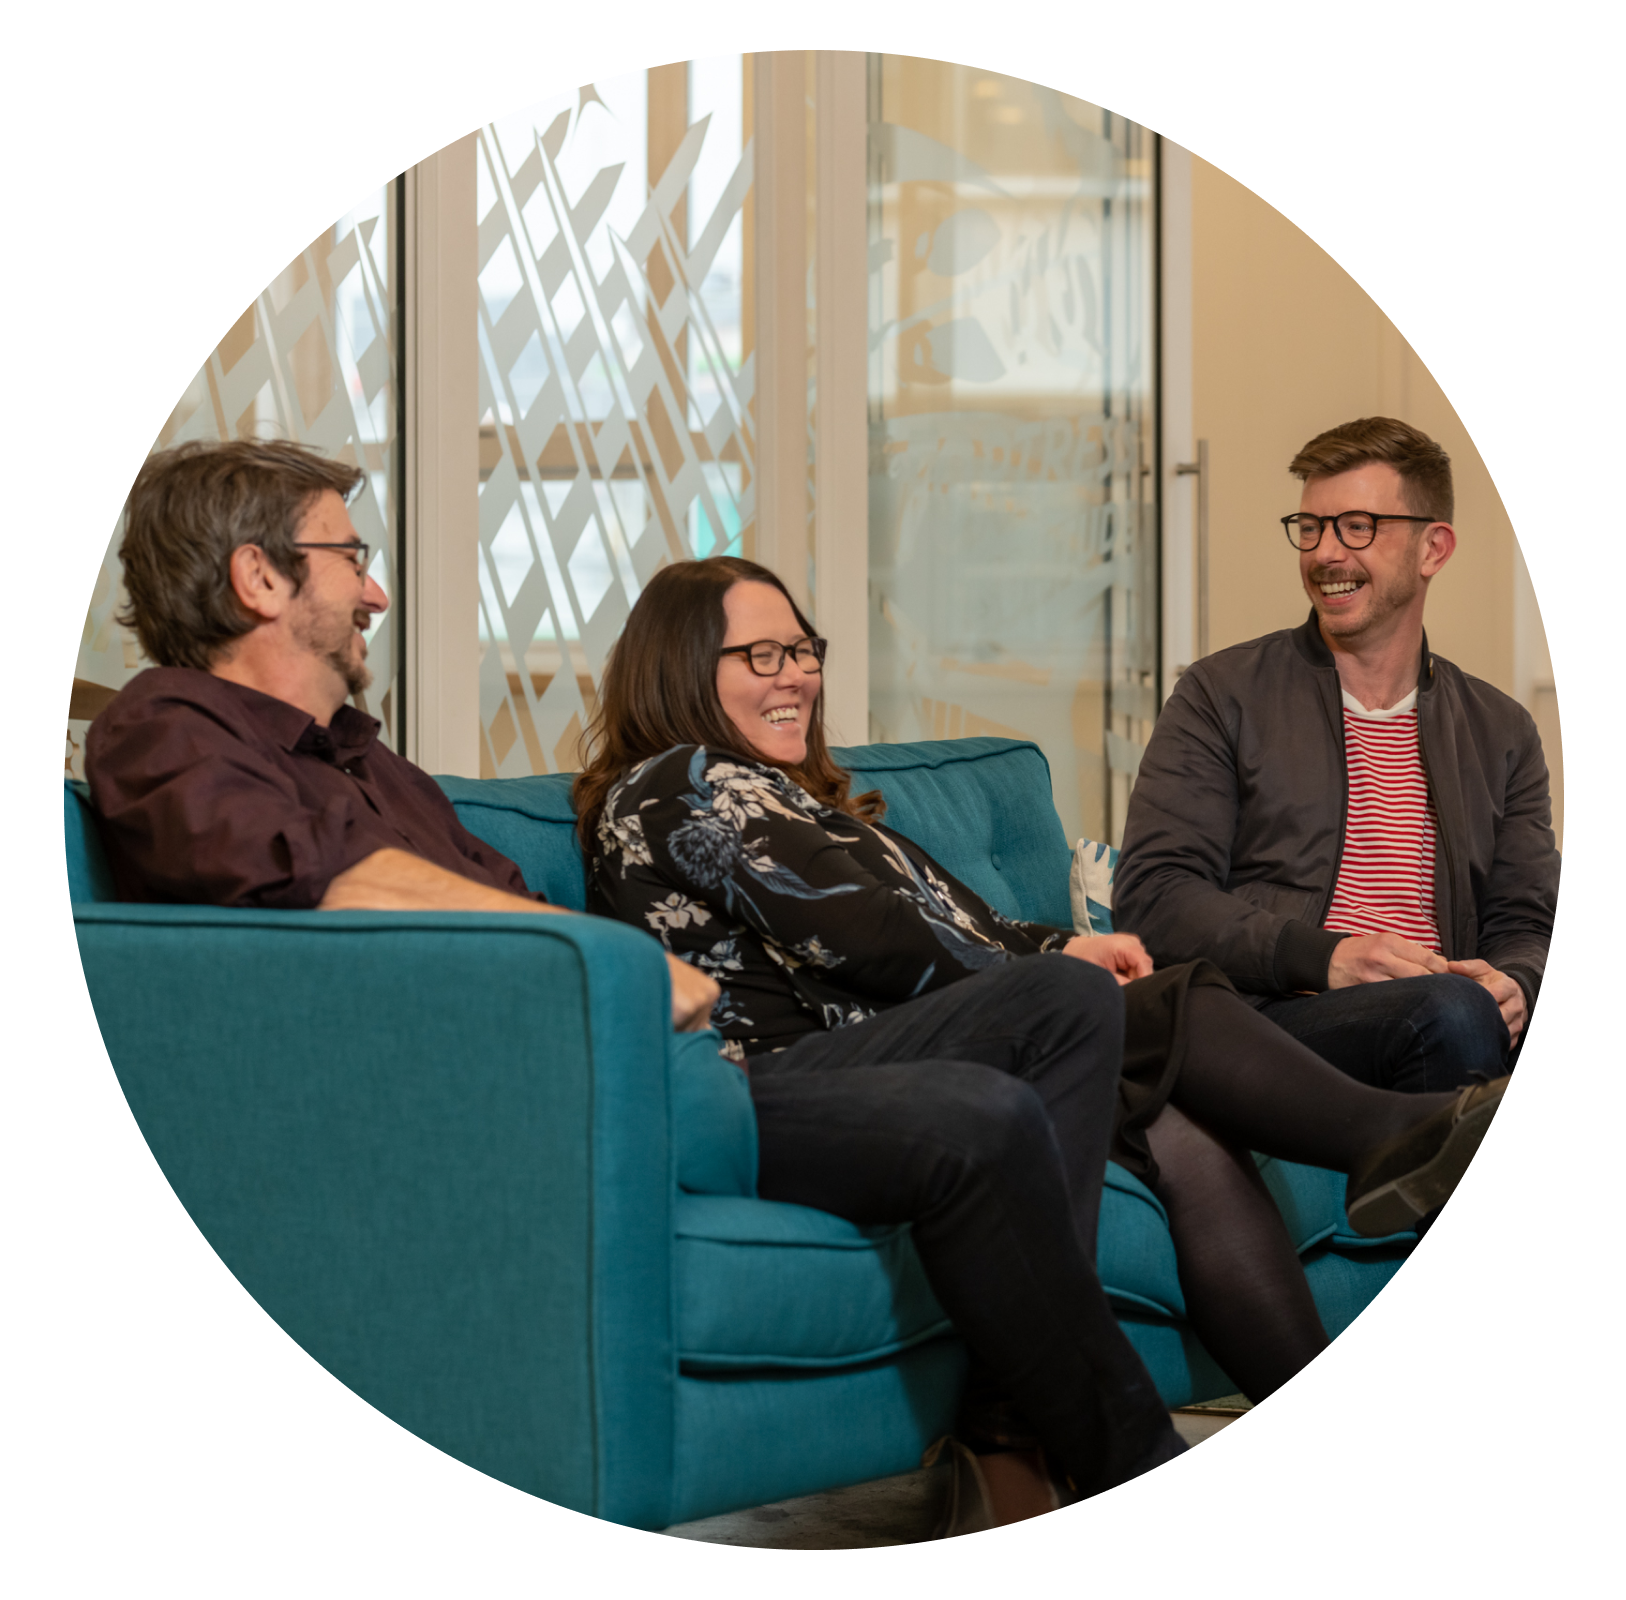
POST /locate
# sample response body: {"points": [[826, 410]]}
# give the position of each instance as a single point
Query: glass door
{"points": [[1012, 491]]}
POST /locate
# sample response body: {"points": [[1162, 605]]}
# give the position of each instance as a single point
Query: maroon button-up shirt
{"points": [[212, 793]]}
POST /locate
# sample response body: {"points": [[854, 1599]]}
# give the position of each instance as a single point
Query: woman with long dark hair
{"points": [[908, 1062]]}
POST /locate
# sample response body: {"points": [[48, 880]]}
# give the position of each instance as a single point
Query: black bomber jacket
{"points": [[1235, 828]]}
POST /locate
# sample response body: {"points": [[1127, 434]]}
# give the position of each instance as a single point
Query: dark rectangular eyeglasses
{"points": [[766, 657]]}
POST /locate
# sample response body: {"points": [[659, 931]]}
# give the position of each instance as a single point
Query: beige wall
{"points": [[1285, 344]]}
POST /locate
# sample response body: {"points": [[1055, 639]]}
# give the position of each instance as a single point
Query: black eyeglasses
{"points": [[766, 657], [356, 551], [1355, 530]]}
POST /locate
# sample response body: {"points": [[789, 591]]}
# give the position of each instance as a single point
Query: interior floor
{"points": [[898, 1510]]}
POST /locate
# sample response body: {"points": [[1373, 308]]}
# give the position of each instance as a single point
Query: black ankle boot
{"points": [[1415, 1173]]}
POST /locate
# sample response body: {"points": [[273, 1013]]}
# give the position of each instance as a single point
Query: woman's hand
{"points": [[1122, 954]]}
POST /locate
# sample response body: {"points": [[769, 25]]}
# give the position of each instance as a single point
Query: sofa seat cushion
{"points": [[764, 1284], [1134, 1252], [1311, 1201]]}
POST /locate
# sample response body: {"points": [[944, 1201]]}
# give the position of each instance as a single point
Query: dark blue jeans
{"points": [[982, 1114], [1411, 1034]]}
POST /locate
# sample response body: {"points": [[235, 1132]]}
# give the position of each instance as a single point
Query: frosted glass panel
{"points": [[313, 359], [615, 390], [1013, 555]]}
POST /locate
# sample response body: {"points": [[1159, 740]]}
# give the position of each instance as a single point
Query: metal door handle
{"points": [[1199, 469]]}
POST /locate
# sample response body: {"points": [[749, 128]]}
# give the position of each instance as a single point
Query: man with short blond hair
{"points": [[1355, 830]]}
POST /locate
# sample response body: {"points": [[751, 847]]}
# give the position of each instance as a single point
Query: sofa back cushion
{"points": [[530, 821], [89, 876], [982, 807]]}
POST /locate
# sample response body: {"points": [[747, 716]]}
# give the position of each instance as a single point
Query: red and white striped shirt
{"points": [[1386, 878]]}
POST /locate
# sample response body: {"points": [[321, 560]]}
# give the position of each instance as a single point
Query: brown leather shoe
{"points": [[990, 1491], [1417, 1172]]}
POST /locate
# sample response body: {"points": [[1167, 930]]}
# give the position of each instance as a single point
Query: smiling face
{"points": [[335, 606], [772, 715], [1360, 595]]}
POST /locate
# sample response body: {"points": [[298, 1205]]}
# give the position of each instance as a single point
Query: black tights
{"points": [[982, 1114], [1246, 1085]]}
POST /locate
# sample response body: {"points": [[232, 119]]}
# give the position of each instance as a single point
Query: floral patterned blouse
{"points": [[806, 917]]}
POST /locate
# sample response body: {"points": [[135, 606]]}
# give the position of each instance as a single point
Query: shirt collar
{"points": [[1314, 648], [351, 733], [348, 737]]}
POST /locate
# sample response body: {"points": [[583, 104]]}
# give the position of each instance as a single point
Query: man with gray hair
{"points": [[235, 771], [1355, 830]]}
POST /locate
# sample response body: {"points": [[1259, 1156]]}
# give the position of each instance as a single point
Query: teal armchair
{"points": [[465, 1163]]}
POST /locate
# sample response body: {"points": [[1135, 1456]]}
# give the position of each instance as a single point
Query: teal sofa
{"points": [[464, 1162]]}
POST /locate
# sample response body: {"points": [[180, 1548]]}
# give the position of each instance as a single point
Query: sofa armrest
{"points": [[435, 1148], [714, 1123]]}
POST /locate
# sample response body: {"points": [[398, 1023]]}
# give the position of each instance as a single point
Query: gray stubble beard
{"points": [[356, 675]]}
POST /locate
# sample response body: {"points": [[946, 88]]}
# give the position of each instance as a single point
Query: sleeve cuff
{"points": [[311, 878], [1302, 956], [1529, 982]]}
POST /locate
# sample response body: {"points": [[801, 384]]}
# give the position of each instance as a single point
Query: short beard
{"points": [[1379, 608], [357, 675]]}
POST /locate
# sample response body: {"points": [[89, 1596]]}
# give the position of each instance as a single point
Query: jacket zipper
{"points": [[1337, 724], [1450, 919]]}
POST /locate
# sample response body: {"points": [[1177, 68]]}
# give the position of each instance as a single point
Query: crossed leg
{"points": [[982, 1114], [1246, 1085]]}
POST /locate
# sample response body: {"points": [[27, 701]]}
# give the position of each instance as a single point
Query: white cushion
{"points": [[1089, 886]]}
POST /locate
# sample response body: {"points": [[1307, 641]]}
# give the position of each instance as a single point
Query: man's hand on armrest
{"points": [[693, 996], [397, 880], [1375, 957]]}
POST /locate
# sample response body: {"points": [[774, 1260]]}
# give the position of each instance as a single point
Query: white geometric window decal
{"points": [[312, 359], [616, 429]]}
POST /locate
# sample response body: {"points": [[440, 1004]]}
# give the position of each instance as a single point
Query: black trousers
{"points": [[982, 1114]]}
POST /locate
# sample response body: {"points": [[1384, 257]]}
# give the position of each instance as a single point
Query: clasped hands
{"points": [[1364, 958], [1122, 954], [1375, 957]]}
